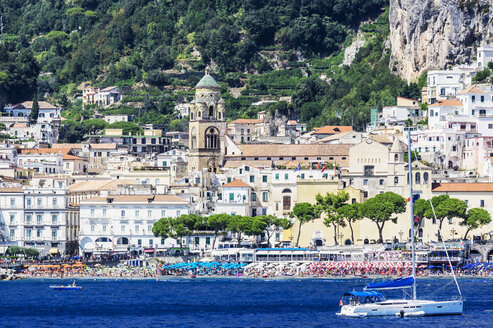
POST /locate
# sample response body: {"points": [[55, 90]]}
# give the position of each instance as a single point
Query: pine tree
{"points": [[35, 110]]}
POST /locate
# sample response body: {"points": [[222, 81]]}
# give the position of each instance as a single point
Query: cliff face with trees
{"points": [[157, 50], [435, 34]]}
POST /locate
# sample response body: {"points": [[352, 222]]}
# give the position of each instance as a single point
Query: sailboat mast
{"points": [[409, 159]]}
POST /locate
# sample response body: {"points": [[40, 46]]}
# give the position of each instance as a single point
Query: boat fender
{"points": [[402, 313], [340, 303]]}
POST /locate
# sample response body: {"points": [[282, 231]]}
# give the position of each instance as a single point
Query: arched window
{"points": [[286, 203], [212, 138], [191, 116], [122, 241], [417, 180], [287, 190], [396, 157], [431, 113], [425, 177], [211, 112]]}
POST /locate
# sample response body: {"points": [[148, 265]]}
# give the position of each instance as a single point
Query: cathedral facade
{"points": [[207, 126]]}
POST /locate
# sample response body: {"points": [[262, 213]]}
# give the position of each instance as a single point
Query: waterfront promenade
{"points": [[253, 270]]}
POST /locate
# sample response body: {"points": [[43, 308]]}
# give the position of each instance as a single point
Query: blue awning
{"points": [[391, 284], [364, 294]]}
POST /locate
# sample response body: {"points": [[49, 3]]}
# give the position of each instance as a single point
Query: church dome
{"points": [[207, 82]]}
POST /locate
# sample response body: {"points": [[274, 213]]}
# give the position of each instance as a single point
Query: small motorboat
{"points": [[73, 286]]}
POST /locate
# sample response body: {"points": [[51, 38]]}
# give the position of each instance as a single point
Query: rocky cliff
{"points": [[435, 34]]}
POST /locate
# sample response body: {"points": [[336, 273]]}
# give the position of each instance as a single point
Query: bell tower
{"points": [[207, 126]]}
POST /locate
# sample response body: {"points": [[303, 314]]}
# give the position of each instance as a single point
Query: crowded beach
{"points": [[252, 270]]}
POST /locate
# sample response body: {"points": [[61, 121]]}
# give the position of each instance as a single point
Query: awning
{"points": [[149, 250], [54, 251], [392, 284], [363, 294]]}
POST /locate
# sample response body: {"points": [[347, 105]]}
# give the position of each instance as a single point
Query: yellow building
{"points": [[316, 233]]}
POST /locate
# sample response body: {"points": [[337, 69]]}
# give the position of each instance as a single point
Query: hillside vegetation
{"points": [[157, 50]]}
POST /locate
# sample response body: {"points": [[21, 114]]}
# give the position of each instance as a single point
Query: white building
{"points": [[35, 217], [123, 223], [100, 96], [183, 110], [235, 199], [116, 118], [484, 56], [47, 112], [443, 84]]}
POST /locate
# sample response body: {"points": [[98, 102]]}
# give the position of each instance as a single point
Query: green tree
{"points": [[254, 227], [475, 218], [33, 116], [94, 125], [382, 208], [273, 223], [176, 228], [14, 250], [2, 127], [304, 212], [445, 208], [351, 213], [31, 252], [218, 223], [329, 204], [127, 127]]}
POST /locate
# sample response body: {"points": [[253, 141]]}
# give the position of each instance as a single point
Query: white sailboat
{"points": [[370, 302]]}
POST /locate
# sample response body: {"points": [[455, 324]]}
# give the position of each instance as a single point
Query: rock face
{"points": [[435, 34]]}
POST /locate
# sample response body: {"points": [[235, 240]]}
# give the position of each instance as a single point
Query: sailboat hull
{"points": [[403, 308]]}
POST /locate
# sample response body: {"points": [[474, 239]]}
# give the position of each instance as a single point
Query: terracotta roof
{"points": [[66, 145], [292, 122], [19, 125], [63, 151], [97, 185], [103, 146], [291, 150], [246, 121], [29, 105], [472, 89], [381, 139], [334, 137], [447, 102], [258, 164], [236, 183], [491, 160], [124, 199], [11, 189], [69, 157], [407, 98], [109, 88], [331, 129], [458, 187]]}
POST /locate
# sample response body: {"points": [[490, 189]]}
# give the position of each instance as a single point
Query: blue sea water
{"points": [[232, 302]]}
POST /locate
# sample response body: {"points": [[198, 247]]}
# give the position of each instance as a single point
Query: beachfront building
{"points": [[123, 223], [235, 198], [476, 195], [35, 217]]}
